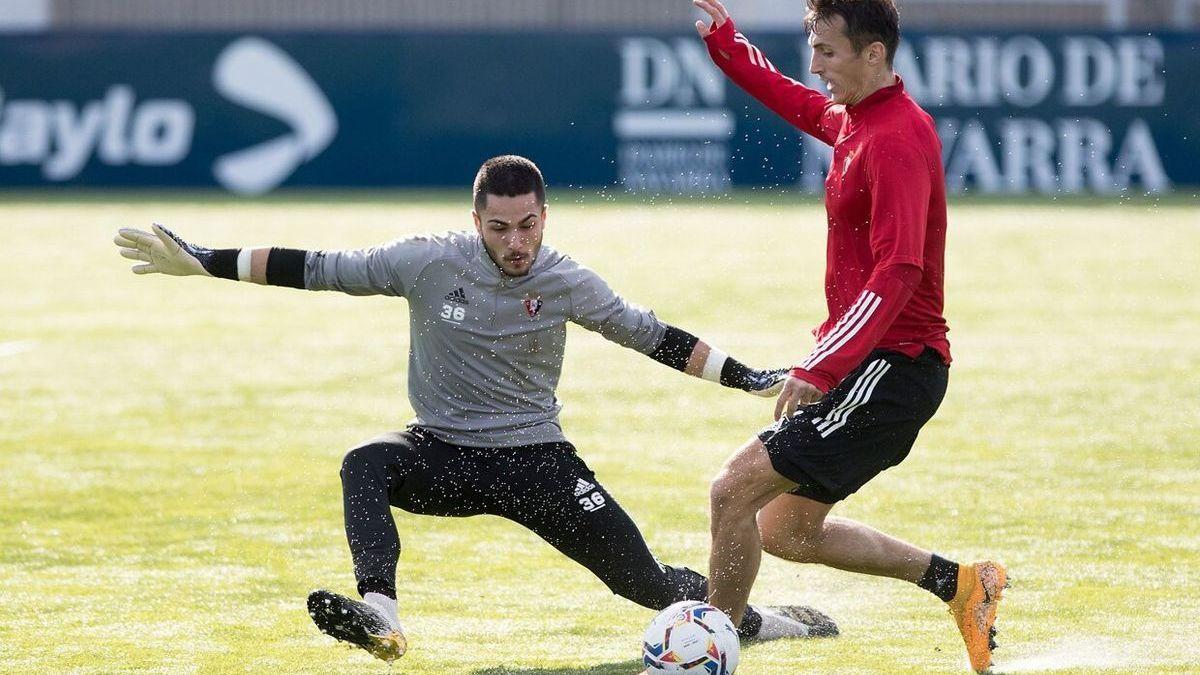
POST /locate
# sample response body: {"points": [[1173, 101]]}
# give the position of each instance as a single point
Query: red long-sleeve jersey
{"points": [[885, 200]]}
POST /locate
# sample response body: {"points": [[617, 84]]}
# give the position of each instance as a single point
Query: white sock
{"points": [[387, 607], [776, 626]]}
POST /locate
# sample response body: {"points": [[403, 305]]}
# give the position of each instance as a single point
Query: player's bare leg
{"points": [[798, 529], [745, 484]]}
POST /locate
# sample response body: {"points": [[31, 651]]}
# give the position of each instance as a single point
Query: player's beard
{"points": [[499, 260]]}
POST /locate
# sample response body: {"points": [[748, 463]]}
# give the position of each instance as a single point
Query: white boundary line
{"points": [[14, 347]]}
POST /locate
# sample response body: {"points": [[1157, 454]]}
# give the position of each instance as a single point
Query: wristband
{"points": [[285, 267], [675, 348]]}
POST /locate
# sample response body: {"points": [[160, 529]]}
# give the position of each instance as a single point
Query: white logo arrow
{"points": [[258, 75]]}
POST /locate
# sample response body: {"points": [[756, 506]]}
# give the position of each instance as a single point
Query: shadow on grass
{"points": [[630, 667]]}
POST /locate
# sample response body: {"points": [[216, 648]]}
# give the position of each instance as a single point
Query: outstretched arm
{"points": [[388, 269], [750, 69], [164, 252], [686, 352]]}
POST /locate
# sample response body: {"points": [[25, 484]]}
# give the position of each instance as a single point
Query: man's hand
{"points": [[162, 252], [714, 9], [767, 383], [795, 392]]}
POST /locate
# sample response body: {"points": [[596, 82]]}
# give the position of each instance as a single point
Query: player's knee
{"points": [[727, 496], [719, 492], [361, 459]]}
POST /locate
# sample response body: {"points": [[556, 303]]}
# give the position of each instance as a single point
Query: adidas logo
{"points": [[582, 487], [458, 296]]}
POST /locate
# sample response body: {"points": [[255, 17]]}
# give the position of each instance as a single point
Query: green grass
{"points": [[169, 447]]}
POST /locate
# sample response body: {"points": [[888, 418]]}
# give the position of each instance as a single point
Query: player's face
{"points": [[845, 71], [511, 228]]}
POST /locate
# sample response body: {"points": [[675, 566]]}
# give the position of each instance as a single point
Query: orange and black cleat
{"points": [[980, 587]]}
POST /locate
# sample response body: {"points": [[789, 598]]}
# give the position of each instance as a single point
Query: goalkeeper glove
{"points": [[164, 252]]}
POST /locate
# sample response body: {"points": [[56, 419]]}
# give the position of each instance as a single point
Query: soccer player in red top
{"points": [[853, 407]]}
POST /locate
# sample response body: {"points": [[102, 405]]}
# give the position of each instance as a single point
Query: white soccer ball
{"points": [[691, 637]]}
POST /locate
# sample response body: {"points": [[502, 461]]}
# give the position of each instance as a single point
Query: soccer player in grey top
{"points": [[488, 312]]}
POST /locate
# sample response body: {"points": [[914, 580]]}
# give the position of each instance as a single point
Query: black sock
{"points": [[377, 585], [941, 578], [751, 623]]}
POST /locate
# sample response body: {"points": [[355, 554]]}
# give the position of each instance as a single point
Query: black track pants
{"points": [[546, 488]]}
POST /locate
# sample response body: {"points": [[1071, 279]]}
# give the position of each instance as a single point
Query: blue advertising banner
{"points": [[1017, 113]]}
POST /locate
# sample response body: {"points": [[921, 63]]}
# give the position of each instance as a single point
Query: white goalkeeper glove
{"points": [[162, 252]]}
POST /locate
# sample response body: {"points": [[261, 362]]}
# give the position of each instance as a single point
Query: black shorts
{"points": [[863, 426]]}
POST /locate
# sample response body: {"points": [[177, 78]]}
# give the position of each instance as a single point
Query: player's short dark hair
{"points": [[508, 176], [867, 21]]}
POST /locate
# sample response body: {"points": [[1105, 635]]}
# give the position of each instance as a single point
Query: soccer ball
{"points": [[691, 637]]}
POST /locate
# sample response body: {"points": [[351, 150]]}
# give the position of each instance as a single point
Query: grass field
{"points": [[169, 447]]}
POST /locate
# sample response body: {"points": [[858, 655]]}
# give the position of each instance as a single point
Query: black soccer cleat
{"points": [[820, 625], [357, 623]]}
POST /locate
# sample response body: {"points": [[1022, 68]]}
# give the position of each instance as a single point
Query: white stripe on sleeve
{"points": [[762, 59], [841, 324], [849, 326], [755, 55]]}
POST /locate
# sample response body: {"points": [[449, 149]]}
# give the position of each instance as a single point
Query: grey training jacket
{"points": [[487, 349]]}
